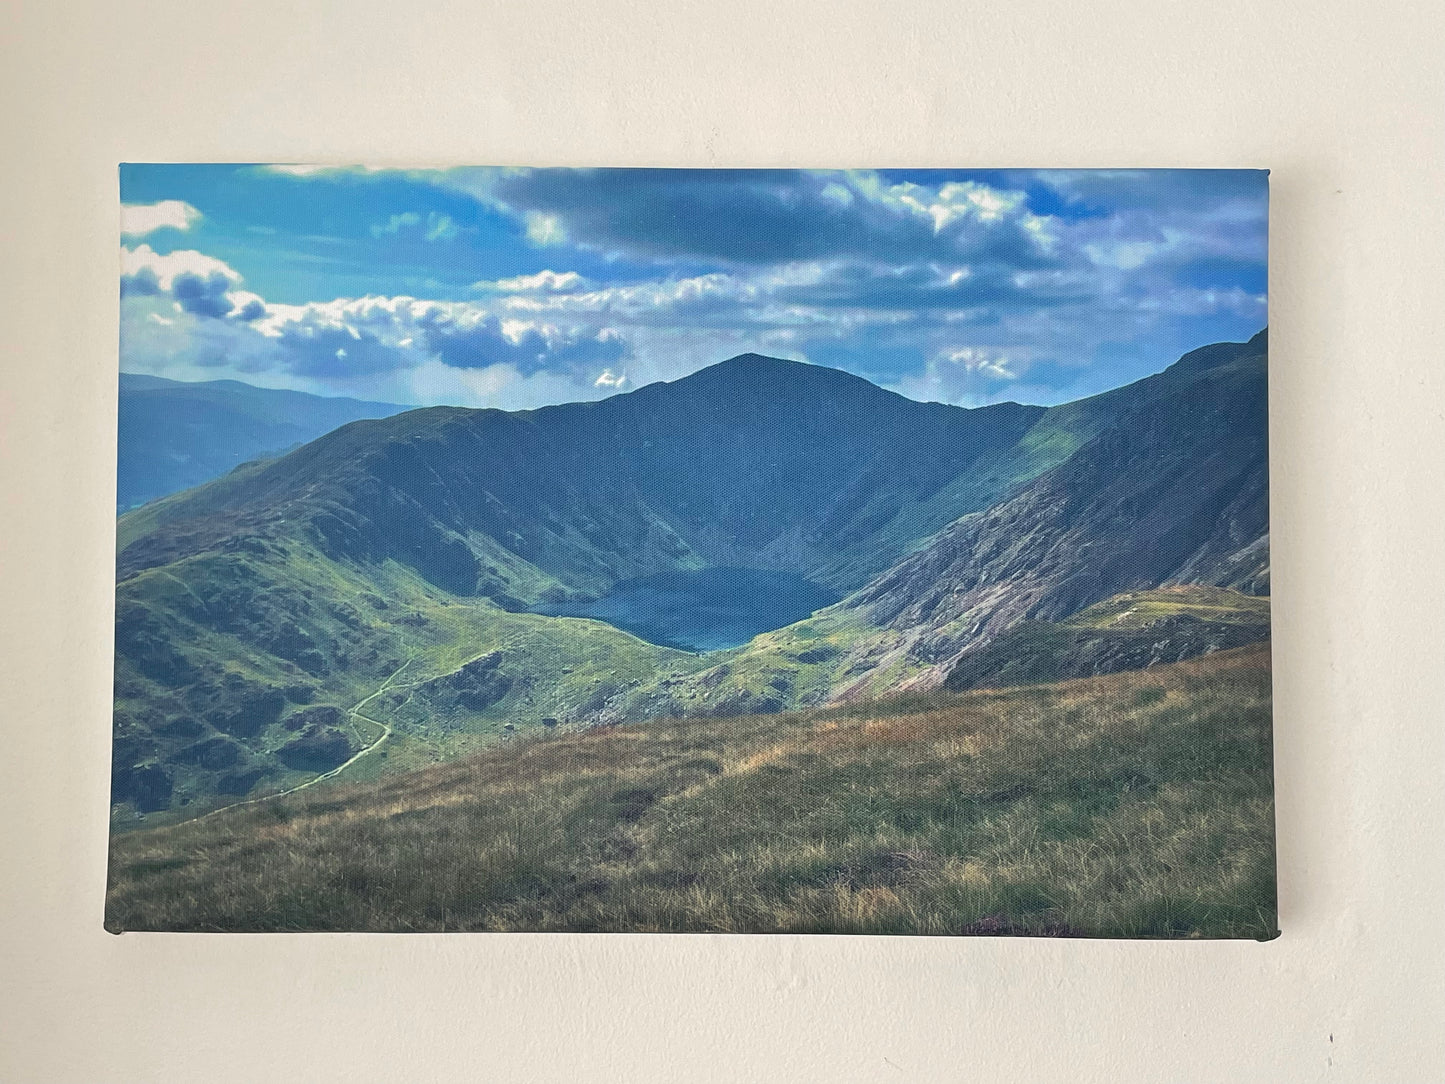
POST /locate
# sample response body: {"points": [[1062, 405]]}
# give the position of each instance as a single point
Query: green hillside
{"points": [[241, 672], [1132, 631], [1137, 804], [247, 606], [273, 624], [1173, 490]]}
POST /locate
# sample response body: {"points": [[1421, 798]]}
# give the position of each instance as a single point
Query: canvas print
{"points": [[742, 551]]}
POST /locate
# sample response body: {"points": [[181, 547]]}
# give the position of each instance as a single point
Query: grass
{"points": [[1137, 804], [197, 622], [1129, 631], [1138, 609]]}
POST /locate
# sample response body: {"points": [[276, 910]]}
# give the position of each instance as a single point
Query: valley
{"points": [[710, 609], [763, 536]]}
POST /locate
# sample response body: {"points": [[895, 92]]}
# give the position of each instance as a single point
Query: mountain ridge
{"points": [[174, 435], [711, 478], [1158, 496], [420, 541]]}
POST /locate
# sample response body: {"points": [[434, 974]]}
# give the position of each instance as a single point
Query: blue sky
{"points": [[516, 288]]}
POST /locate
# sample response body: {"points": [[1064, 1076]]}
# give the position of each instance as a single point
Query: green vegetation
{"points": [[1145, 609], [1137, 804], [241, 673], [1132, 631], [258, 614]]}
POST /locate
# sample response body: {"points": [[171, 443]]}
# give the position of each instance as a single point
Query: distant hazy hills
{"points": [[270, 622], [176, 435]]}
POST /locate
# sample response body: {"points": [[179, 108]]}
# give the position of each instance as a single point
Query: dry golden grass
{"points": [[1137, 804]]}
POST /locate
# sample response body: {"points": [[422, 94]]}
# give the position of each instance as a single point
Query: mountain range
{"points": [[175, 435], [405, 577]]}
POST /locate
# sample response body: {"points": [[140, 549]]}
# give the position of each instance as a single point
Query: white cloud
{"points": [[298, 170], [402, 349], [543, 229], [943, 206], [440, 227], [609, 380], [1123, 255], [435, 227], [967, 376], [145, 260], [312, 170], [138, 219], [545, 282], [396, 223], [569, 293], [975, 360]]}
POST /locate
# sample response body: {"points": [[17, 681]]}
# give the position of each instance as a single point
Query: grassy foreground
{"points": [[1136, 805]]}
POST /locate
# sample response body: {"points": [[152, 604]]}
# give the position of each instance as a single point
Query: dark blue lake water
{"points": [[706, 610]]}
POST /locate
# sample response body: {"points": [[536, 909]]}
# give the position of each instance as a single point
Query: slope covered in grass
{"points": [[256, 612], [1174, 490], [202, 717], [1137, 804], [1132, 631]]}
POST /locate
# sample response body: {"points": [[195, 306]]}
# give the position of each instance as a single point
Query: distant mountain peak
{"points": [[751, 369], [751, 358], [1218, 354], [760, 363]]}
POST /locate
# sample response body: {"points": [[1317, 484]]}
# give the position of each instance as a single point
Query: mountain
{"points": [[176, 435], [396, 578], [754, 462], [420, 541], [1173, 490]]}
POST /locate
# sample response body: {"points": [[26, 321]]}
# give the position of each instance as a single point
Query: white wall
{"points": [[1344, 101]]}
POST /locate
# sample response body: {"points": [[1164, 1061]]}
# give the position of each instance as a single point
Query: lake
{"points": [[704, 610]]}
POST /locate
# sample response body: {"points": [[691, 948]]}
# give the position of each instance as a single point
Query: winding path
{"points": [[353, 714]]}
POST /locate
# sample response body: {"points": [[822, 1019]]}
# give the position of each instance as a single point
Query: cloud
{"points": [[986, 362], [1163, 191], [1164, 220], [434, 226], [396, 224], [369, 343], [440, 227], [143, 261], [467, 337], [967, 288], [544, 229], [248, 306], [753, 217], [202, 296], [313, 170], [547, 282], [967, 375], [197, 283], [138, 219]]}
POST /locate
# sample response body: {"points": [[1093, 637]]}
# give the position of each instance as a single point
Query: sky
{"points": [[515, 288]]}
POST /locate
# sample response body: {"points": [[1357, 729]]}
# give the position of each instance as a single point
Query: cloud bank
{"points": [[967, 288]]}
